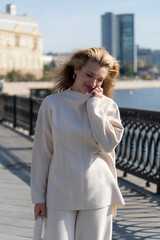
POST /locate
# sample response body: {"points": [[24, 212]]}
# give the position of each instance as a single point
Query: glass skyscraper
{"points": [[118, 37]]}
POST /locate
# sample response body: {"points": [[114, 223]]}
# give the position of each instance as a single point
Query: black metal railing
{"points": [[1, 107], [21, 111], [139, 151]]}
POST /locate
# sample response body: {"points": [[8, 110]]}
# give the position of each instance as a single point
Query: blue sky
{"points": [[67, 25]]}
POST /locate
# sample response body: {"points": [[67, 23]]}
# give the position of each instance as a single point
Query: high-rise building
{"points": [[156, 57], [20, 43], [118, 37], [109, 28]]}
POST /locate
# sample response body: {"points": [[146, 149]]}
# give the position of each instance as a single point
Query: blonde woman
{"points": [[73, 176]]}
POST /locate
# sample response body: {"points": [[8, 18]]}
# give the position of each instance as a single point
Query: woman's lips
{"points": [[89, 88]]}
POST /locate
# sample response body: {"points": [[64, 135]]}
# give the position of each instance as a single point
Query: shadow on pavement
{"points": [[14, 164], [15, 152], [139, 219]]}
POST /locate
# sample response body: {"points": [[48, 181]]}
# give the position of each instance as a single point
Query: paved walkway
{"points": [[139, 219]]}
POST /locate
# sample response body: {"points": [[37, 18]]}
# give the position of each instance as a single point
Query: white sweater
{"points": [[73, 161]]}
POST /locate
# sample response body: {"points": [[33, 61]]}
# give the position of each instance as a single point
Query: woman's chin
{"points": [[87, 89]]}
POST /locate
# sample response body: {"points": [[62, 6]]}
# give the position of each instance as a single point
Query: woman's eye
{"points": [[100, 80], [88, 75]]}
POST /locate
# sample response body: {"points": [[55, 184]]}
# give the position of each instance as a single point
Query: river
{"points": [[143, 98]]}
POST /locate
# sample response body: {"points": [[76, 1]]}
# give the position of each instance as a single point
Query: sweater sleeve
{"points": [[105, 122], [41, 154]]}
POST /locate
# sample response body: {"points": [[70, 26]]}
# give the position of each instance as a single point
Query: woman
{"points": [[73, 175]]}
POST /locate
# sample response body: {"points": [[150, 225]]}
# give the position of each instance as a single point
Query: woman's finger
{"points": [[36, 213], [43, 211], [40, 209], [98, 92]]}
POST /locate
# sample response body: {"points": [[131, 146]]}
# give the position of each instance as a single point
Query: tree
{"points": [[17, 76], [126, 70], [29, 77], [14, 76], [48, 71]]}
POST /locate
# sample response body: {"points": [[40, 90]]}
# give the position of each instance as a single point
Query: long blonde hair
{"points": [[64, 75]]}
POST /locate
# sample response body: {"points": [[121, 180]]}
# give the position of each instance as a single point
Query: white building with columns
{"points": [[20, 43]]}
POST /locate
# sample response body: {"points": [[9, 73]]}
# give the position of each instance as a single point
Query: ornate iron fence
{"points": [[21, 111], [1, 107], [139, 151]]}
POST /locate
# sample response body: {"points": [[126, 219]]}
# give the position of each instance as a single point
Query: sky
{"points": [[67, 25]]}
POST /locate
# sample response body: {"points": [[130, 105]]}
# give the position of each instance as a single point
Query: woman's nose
{"points": [[94, 82]]}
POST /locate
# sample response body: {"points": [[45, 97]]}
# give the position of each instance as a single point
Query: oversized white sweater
{"points": [[73, 161]]}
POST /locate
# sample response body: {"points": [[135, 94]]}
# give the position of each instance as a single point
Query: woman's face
{"points": [[89, 77]]}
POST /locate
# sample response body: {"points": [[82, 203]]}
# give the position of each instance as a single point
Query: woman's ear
{"points": [[75, 70]]}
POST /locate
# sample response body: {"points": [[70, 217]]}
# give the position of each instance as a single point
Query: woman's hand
{"points": [[98, 92], [40, 209]]}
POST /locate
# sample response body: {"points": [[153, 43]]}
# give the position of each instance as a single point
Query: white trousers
{"points": [[94, 224]]}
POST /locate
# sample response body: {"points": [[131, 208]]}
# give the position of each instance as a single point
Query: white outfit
{"points": [[73, 164], [79, 225]]}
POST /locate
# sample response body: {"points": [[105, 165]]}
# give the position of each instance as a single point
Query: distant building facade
{"points": [[55, 59], [144, 56], [148, 57], [20, 44], [118, 37], [156, 57]]}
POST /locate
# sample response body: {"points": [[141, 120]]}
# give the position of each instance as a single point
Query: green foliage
{"points": [[14, 76], [126, 70], [48, 67], [48, 72], [29, 77], [17, 76], [147, 76]]}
